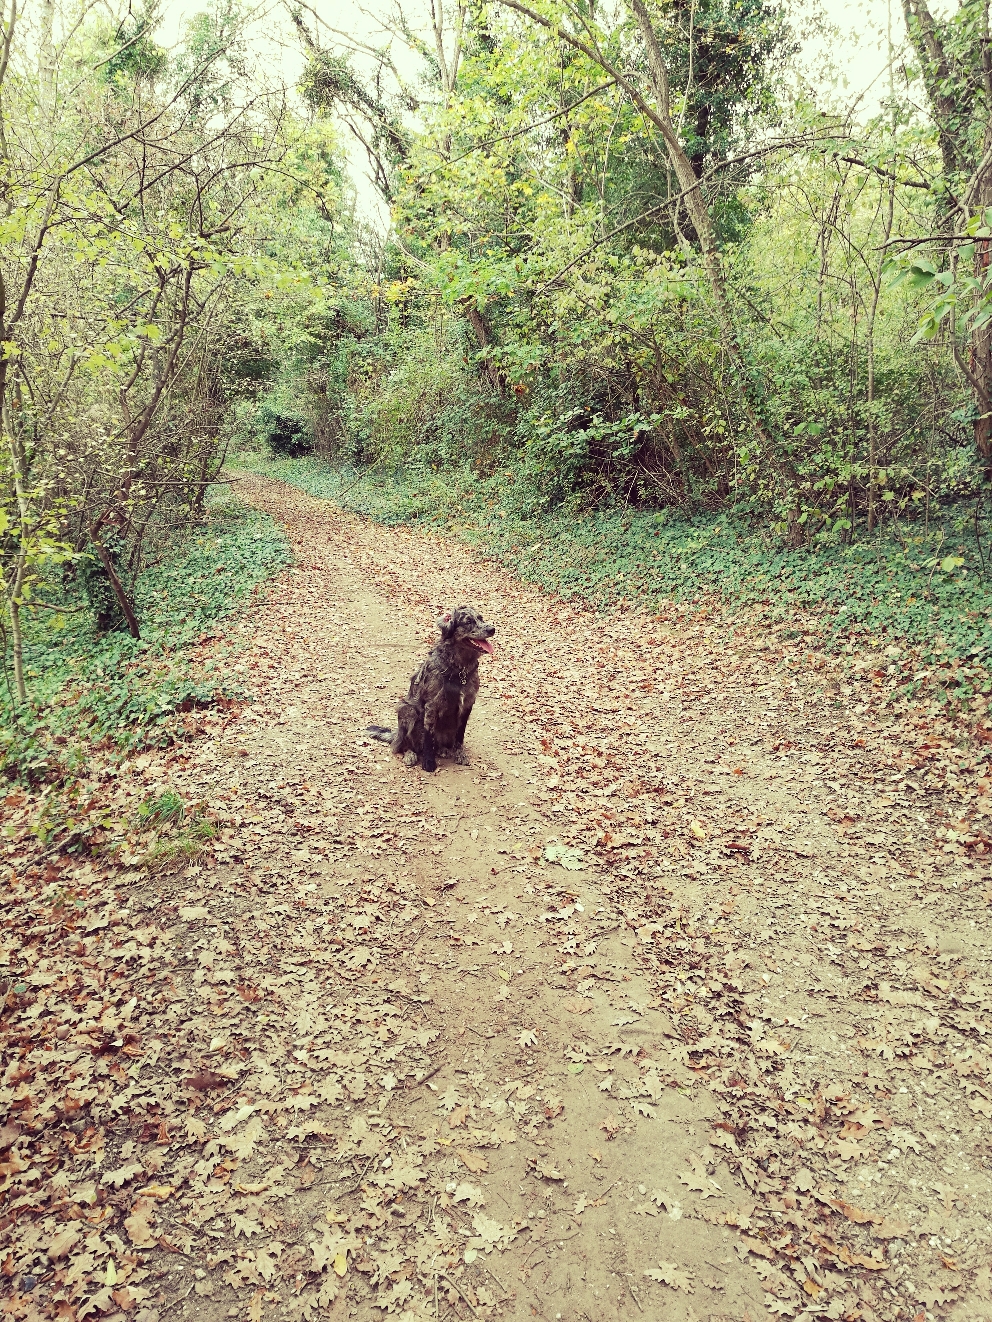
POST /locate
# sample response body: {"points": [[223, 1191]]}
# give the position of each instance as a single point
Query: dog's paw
{"points": [[428, 766], [461, 757], [409, 758]]}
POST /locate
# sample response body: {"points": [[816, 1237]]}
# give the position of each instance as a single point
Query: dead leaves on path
{"points": [[669, 1273], [677, 751], [205, 1072]]}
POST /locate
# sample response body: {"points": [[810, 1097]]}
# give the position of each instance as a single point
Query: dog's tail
{"points": [[381, 733]]}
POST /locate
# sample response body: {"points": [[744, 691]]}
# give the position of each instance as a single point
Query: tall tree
{"points": [[955, 58], [656, 105]]}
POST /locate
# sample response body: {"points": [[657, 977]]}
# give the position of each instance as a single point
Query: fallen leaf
{"points": [[476, 1164], [202, 1080], [577, 1005], [571, 859], [892, 1228], [669, 1273], [159, 1191], [63, 1242], [547, 1171], [123, 1174], [138, 1224], [470, 1194]]}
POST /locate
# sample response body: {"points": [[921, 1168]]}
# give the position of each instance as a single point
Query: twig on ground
{"points": [[633, 1294], [497, 1280], [417, 1082], [358, 1185], [458, 1290], [361, 477]]}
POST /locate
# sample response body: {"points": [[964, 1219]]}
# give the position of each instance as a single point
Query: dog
{"points": [[433, 715]]}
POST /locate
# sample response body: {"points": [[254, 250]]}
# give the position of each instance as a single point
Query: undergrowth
{"points": [[89, 688], [162, 833], [921, 586]]}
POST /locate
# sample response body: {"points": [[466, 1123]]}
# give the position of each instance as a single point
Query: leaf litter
{"points": [[307, 1068]]}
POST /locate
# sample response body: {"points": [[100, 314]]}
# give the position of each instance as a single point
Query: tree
{"points": [[658, 110], [121, 223], [955, 58]]}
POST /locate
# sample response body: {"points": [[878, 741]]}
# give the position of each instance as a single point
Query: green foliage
{"points": [[162, 832], [180, 831], [904, 585], [91, 687], [169, 221], [137, 57], [287, 363], [737, 49], [96, 586], [951, 51], [542, 303], [168, 807]]}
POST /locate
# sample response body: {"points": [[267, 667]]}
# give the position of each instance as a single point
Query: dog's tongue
{"points": [[484, 645]]}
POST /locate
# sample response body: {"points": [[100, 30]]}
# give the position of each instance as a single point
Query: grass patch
{"points": [[161, 833], [180, 832], [927, 588], [87, 688], [168, 809]]}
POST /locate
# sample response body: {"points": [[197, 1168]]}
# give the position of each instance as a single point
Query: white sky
{"points": [[850, 69]]}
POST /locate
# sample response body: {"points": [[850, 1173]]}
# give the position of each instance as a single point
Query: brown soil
{"points": [[672, 1004]]}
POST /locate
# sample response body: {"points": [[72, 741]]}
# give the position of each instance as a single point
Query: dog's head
{"points": [[466, 628]]}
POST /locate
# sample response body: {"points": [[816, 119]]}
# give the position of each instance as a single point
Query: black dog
{"points": [[434, 714]]}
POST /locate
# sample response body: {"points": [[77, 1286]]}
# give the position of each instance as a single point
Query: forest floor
{"points": [[672, 1004]]}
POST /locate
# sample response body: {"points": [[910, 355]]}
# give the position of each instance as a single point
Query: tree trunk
{"points": [[980, 357], [695, 205], [122, 598], [876, 278], [937, 79], [660, 115], [46, 58], [478, 323], [954, 105], [16, 641], [18, 462], [979, 199]]}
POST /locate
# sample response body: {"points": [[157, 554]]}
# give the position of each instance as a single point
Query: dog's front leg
{"points": [[460, 755], [428, 754]]}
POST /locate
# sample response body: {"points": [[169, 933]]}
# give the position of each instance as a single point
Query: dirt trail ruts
{"points": [[672, 1004]]}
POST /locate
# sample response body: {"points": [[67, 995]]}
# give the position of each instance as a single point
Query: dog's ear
{"points": [[447, 625]]}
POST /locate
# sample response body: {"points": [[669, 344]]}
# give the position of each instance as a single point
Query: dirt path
{"points": [[673, 1004]]}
